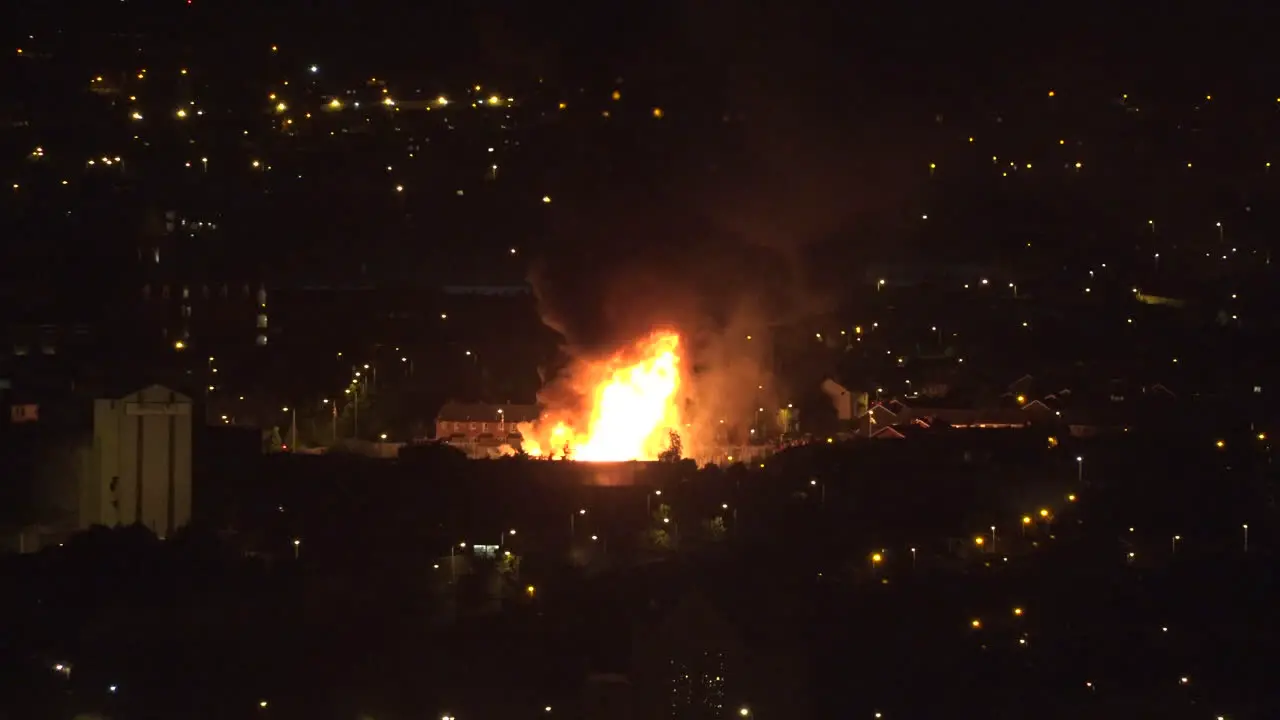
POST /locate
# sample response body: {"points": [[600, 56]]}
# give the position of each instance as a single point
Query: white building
{"points": [[140, 464]]}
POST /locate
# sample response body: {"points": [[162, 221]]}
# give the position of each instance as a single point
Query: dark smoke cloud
{"points": [[739, 221]]}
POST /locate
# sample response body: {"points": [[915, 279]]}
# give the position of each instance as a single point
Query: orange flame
{"points": [[632, 407]]}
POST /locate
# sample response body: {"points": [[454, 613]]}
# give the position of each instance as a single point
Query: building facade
{"points": [[140, 462]]}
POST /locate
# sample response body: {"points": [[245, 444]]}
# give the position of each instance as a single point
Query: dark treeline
{"points": [[867, 575]]}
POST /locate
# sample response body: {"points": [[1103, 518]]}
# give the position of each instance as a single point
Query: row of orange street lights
{"points": [[877, 557]]}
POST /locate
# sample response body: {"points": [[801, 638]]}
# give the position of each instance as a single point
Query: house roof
{"points": [[973, 416], [156, 393], [888, 433]]}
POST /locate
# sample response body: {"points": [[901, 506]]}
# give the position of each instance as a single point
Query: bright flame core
{"points": [[631, 411]]}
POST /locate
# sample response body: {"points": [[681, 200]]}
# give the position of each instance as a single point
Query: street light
{"points": [[822, 488], [647, 498], [453, 567], [293, 426], [1080, 469], [297, 545], [573, 519]]}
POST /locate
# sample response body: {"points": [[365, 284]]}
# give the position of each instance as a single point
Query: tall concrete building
{"points": [[140, 465]]}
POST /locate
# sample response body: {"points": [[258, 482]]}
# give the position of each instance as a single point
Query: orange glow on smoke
{"points": [[631, 407]]}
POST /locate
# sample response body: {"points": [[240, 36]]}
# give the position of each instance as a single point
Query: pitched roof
{"points": [[888, 433]]}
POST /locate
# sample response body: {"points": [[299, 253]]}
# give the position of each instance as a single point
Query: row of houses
{"points": [[1018, 407]]}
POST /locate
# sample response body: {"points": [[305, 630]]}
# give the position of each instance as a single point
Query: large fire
{"points": [[630, 407]]}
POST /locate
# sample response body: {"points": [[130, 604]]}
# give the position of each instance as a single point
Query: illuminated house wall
{"points": [[140, 466]]}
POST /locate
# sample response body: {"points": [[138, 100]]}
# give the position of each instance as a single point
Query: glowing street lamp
{"points": [[647, 498]]}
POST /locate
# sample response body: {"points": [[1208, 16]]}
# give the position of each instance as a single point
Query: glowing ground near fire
{"points": [[629, 406]]}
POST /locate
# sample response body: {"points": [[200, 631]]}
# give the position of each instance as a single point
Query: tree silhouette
{"points": [[674, 450]]}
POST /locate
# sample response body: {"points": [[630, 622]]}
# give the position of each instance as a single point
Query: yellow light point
{"points": [[1044, 513], [1188, 165], [494, 99], [1208, 97], [1220, 444], [563, 106], [179, 345], [442, 101], [530, 591], [970, 138], [184, 71], [1017, 611], [975, 623], [617, 95], [876, 557], [1051, 93], [257, 163], [1062, 142], [546, 199], [335, 104], [1026, 519], [933, 166], [657, 113], [275, 49], [388, 102], [1077, 166], [1262, 436], [979, 541], [1022, 399], [1071, 498], [181, 113], [281, 107]]}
